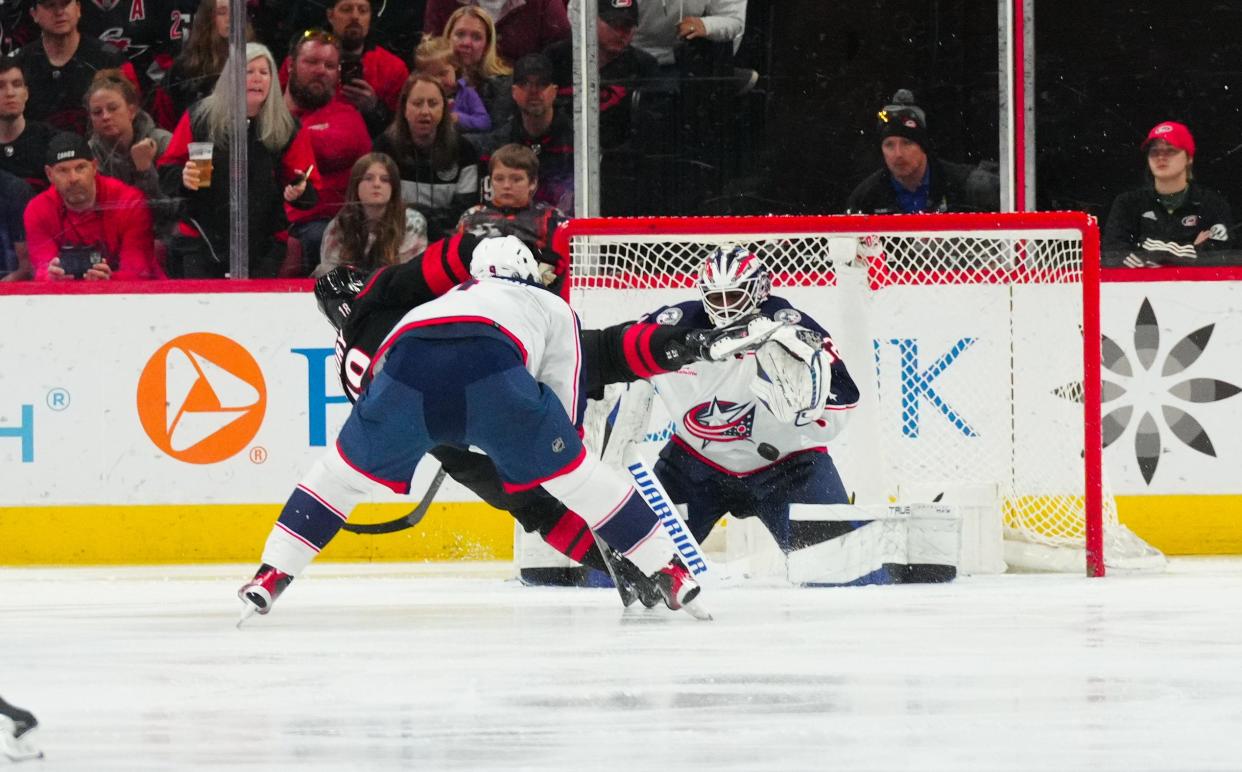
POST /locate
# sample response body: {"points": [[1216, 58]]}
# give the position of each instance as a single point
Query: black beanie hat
{"points": [[903, 118]]}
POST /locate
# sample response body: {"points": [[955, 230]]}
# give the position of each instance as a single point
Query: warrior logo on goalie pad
{"points": [[720, 421]]}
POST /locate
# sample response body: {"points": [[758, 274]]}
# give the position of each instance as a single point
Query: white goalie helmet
{"points": [[505, 256], [734, 282]]}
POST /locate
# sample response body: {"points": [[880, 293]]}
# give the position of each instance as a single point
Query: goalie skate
{"points": [[15, 742], [261, 592]]}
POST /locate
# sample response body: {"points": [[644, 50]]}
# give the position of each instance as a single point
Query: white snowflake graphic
{"points": [[1168, 380]]}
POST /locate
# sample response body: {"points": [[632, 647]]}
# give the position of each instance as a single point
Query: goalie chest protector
{"points": [[719, 421]]}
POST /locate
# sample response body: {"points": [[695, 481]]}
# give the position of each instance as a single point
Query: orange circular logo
{"points": [[201, 398]]}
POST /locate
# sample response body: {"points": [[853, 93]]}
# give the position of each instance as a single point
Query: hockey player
{"points": [[15, 723], [494, 364], [751, 432], [620, 353]]}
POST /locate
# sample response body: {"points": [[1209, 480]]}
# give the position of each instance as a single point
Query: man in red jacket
{"points": [[88, 226], [336, 130]]}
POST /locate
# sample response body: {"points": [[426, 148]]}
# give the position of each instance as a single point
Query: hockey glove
{"points": [[793, 389], [744, 335]]}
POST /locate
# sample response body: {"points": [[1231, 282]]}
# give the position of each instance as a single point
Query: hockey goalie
{"points": [[750, 434]]}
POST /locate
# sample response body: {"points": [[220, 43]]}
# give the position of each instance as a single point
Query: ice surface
{"points": [[454, 667]]}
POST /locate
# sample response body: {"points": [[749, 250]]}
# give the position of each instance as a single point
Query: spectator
{"points": [[14, 258], [434, 58], [1171, 219], [281, 165], [512, 210], [337, 133], [60, 64], [124, 140], [23, 142], [663, 23], [87, 225], [520, 28], [439, 169], [396, 24], [371, 76], [375, 228], [202, 57], [621, 67], [541, 127], [911, 180], [472, 35], [142, 31]]}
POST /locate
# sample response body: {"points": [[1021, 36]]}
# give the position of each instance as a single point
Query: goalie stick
{"points": [[688, 548], [405, 521]]}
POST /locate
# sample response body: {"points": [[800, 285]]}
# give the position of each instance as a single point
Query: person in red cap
{"points": [[1170, 220]]}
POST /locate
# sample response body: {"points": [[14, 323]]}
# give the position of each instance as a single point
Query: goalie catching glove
{"points": [[793, 375]]}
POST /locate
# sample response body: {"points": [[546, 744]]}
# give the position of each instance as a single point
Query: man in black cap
{"points": [[622, 67], [913, 180], [541, 127], [87, 225]]}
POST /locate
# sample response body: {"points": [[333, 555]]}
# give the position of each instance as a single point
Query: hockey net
{"points": [[974, 339]]}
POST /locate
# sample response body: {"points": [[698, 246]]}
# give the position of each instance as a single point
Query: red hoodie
{"points": [[120, 221]]}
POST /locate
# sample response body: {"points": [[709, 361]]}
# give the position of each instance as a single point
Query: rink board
{"points": [[169, 428]]}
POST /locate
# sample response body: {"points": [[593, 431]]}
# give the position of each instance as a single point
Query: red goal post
{"points": [[1006, 305]]}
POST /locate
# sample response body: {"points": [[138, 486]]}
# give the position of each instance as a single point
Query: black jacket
{"points": [[208, 208], [56, 93], [1138, 223], [954, 188]]}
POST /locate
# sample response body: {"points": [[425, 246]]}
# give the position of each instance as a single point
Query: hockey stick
{"points": [[405, 521]]}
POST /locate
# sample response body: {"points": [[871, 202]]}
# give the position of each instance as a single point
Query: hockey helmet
{"points": [[504, 256], [335, 292], [734, 282]]}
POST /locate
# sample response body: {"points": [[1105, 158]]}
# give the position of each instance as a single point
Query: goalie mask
{"points": [[506, 257], [734, 282]]}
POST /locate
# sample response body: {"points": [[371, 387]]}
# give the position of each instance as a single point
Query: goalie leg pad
{"points": [[902, 544]]}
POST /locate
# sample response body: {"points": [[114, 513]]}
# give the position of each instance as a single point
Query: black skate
{"points": [[14, 723], [631, 583], [679, 589], [261, 592]]}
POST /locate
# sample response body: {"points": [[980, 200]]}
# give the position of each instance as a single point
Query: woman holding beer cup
{"points": [[196, 167]]}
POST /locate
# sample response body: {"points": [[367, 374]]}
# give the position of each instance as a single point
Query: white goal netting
{"points": [[964, 333]]}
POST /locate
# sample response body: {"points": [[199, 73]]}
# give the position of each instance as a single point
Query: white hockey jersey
{"points": [[540, 324], [718, 420]]}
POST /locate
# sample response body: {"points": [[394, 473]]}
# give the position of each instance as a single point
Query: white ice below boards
{"points": [[455, 667]]}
